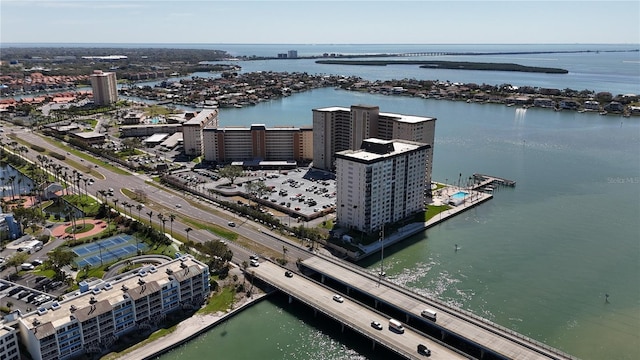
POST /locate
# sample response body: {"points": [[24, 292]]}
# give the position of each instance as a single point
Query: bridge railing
{"points": [[340, 320], [454, 311]]}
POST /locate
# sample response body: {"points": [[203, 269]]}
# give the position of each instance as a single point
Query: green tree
{"points": [[17, 259], [231, 172], [59, 258], [257, 189]]}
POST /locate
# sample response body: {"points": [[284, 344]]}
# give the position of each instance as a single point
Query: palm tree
{"points": [[284, 254], [85, 180], [188, 230], [172, 217], [103, 193], [11, 180], [161, 218], [139, 207], [150, 213], [125, 204]]}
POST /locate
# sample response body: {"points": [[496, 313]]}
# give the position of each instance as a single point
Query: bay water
{"points": [[557, 258], [539, 258]]}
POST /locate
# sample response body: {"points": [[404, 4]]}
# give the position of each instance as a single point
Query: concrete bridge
{"points": [[455, 333]]}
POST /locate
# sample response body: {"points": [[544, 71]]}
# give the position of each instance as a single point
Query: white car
{"points": [[255, 263], [338, 298]]}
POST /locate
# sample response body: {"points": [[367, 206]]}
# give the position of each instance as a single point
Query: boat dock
{"points": [[481, 180]]}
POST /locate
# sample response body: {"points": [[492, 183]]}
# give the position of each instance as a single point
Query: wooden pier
{"points": [[481, 180]]}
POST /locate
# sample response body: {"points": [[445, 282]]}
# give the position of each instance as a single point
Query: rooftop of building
{"points": [[373, 149], [202, 116], [412, 119], [102, 295]]}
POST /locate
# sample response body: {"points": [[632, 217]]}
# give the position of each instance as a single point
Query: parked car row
{"points": [[30, 296]]}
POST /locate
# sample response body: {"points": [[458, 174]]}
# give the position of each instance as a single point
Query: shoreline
{"points": [[186, 331]]}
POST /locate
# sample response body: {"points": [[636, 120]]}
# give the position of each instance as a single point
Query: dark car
{"points": [[423, 350], [288, 274]]}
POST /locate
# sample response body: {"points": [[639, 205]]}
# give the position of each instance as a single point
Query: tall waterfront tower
{"points": [[337, 129], [103, 84], [381, 183]]}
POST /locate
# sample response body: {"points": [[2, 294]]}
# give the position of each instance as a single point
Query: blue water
{"points": [[459, 195], [615, 72], [538, 258]]}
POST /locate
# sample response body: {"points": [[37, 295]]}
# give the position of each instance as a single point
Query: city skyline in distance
{"points": [[319, 22]]}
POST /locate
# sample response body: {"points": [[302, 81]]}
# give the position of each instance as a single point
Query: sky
{"points": [[320, 22]]}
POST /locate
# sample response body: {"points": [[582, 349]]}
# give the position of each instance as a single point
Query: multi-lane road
{"points": [[170, 201]]}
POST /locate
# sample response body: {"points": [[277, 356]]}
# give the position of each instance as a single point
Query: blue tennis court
{"points": [[107, 250]]}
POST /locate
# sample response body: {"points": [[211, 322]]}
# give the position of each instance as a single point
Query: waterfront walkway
{"points": [[442, 197], [185, 331]]}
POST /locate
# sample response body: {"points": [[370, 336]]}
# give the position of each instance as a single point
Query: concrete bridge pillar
{"points": [[348, 289], [373, 344], [443, 334], [481, 353], [322, 278], [290, 299], [315, 312], [342, 327], [375, 304], [406, 318]]}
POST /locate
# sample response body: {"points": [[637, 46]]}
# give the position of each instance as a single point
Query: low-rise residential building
{"points": [[569, 104], [149, 129], [591, 105], [89, 138], [9, 343], [93, 320], [544, 102]]}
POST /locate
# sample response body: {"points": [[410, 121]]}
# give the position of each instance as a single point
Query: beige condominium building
{"points": [[9, 343], [257, 143], [192, 130], [381, 183], [339, 128], [104, 87], [90, 322]]}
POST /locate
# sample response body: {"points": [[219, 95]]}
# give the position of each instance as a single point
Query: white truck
{"points": [[429, 314], [396, 326], [31, 246]]}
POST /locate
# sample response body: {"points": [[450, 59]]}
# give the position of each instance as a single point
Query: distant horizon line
{"points": [[313, 44]]}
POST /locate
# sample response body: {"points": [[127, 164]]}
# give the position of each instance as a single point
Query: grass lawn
{"points": [[221, 301], [41, 272], [434, 210], [79, 228]]}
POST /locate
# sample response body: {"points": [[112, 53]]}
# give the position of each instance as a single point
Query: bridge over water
{"points": [[455, 333]]}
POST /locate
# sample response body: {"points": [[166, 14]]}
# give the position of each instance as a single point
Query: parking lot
{"points": [[299, 192], [31, 292]]}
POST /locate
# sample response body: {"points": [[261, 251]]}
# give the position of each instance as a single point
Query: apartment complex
{"points": [[257, 142], [93, 320], [337, 129], [104, 87], [381, 183], [9, 343], [192, 130]]}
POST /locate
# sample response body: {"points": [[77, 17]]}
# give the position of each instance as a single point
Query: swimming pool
{"points": [[459, 195]]}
